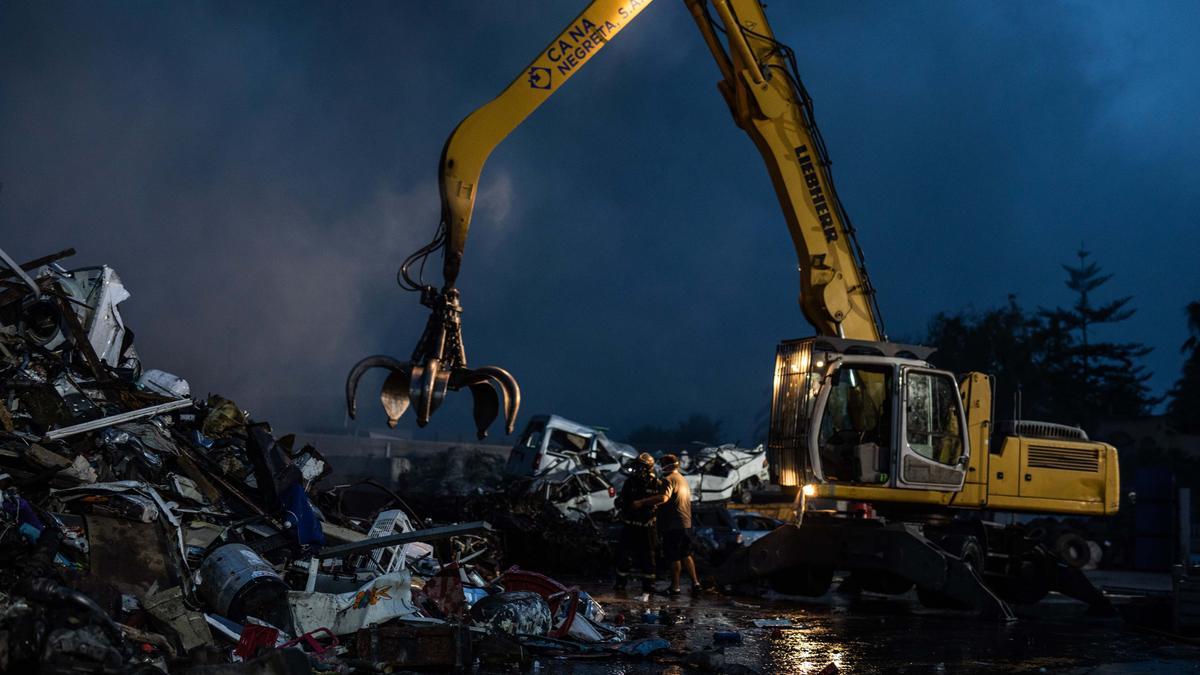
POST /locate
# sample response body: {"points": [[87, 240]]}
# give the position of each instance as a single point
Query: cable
{"points": [[791, 74], [420, 256]]}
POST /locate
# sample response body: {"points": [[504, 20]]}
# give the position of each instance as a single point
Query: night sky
{"points": [[256, 171]]}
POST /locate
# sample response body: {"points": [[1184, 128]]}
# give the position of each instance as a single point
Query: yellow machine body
{"points": [[1022, 466]]}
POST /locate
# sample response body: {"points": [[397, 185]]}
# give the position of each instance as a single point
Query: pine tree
{"points": [[1184, 408], [1001, 342], [1087, 378]]}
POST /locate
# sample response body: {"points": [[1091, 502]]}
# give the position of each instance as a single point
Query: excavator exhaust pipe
{"points": [[439, 365]]}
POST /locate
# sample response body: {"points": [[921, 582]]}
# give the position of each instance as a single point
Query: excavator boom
{"points": [[760, 84], [474, 139], [762, 87]]}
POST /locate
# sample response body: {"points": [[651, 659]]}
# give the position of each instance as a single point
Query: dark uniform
{"points": [[639, 535]]}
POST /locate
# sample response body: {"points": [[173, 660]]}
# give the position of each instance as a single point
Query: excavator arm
{"points": [[760, 83], [767, 100], [474, 139]]}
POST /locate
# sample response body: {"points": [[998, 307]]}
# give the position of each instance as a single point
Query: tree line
{"points": [[1049, 364]]}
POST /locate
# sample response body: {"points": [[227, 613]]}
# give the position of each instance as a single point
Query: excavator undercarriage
{"points": [[967, 565]]}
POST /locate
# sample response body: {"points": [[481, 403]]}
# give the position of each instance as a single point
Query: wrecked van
{"points": [[555, 445]]}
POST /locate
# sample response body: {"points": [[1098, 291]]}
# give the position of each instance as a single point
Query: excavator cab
{"points": [[854, 412]]}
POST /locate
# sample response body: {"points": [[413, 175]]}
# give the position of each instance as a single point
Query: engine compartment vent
{"points": [[1032, 429], [1066, 459]]}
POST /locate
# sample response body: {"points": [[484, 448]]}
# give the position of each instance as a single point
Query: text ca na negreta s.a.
{"points": [[585, 36]]}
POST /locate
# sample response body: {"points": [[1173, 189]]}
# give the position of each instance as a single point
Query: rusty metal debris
{"points": [[142, 529]]}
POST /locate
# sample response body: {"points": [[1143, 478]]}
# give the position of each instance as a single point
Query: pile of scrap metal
{"points": [[533, 532], [142, 530]]}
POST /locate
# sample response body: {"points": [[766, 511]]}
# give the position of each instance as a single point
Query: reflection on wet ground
{"points": [[879, 634]]}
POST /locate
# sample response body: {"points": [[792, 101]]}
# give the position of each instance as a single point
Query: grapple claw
{"points": [[395, 396], [510, 388], [438, 364], [356, 373], [487, 407], [428, 389]]}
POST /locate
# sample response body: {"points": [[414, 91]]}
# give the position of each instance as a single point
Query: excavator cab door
{"points": [[852, 438], [932, 431], [879, 422]]}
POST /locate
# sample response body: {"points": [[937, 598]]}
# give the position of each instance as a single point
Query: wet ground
{"points": [[881, 634]]}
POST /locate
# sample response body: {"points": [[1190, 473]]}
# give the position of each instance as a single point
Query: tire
{"points": [[1072, 549], [1097, 554], [966, 547], [972, 553]]}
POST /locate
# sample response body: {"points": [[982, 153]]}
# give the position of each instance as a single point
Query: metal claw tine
{"points": [[510, 388], [465, 377], [486, 408], [356, 373], [427, 389], [416, 392], [394, 396]]}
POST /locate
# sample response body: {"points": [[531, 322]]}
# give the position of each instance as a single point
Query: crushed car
{"points": [[551, 446], [754, 526], [576, 494], [727, 472], [715, 532]]}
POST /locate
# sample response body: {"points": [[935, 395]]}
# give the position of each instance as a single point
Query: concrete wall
{"points": [[383, 458]]}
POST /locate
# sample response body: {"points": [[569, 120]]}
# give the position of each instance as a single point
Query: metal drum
{"points": [[236, 581]]}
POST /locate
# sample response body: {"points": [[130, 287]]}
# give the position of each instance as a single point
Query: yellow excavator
{"points": [[854, 418]]}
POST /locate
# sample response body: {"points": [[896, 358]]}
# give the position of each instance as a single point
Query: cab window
{"points": [[855, 431], [563, 441], [533, 435], [931, 417]]}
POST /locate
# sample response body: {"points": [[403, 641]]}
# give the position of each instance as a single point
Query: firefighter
{"points": [[636, 505]]}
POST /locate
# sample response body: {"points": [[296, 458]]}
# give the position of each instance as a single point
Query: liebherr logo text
{"points": [[816, 193], [574, 46]]}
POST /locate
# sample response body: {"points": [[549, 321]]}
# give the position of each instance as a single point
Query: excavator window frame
{"points": [[816, 415], [959, 466], [899, 369]]}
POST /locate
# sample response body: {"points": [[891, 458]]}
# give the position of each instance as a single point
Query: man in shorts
{"points": [[675, 524]]}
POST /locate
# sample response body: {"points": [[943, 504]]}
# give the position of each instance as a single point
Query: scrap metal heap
{"points": [[143, 530]]}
